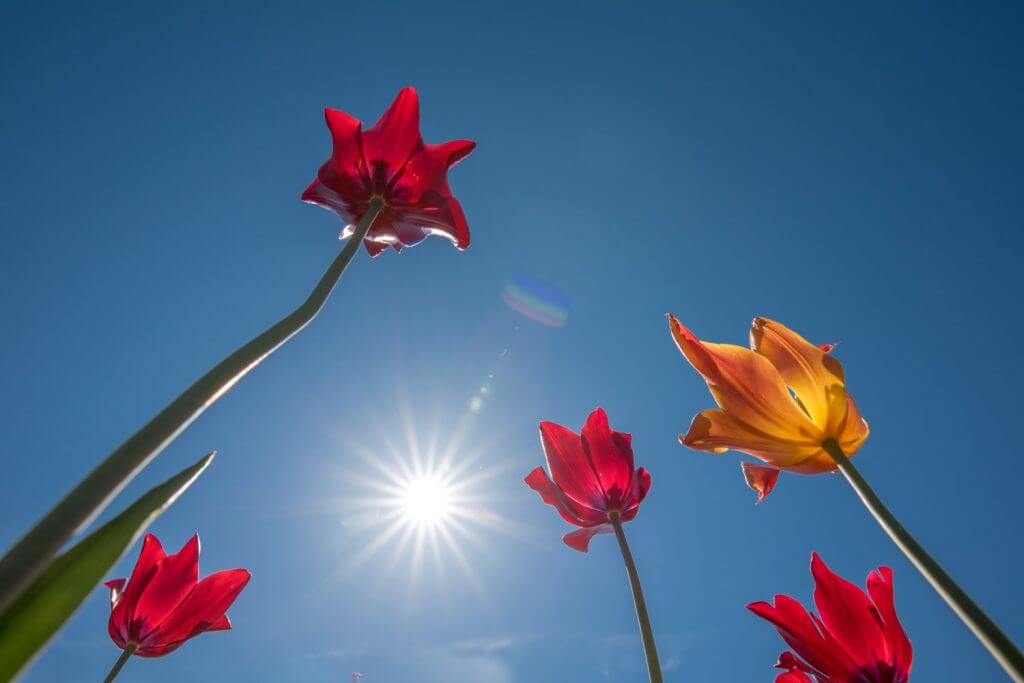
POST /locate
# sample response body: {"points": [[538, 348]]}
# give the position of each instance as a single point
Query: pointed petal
{"points": [[715, 430], [570, 466], [116, 627], [174, 578], [760, 478], [203, 608], [346, 171], [807, 369], [901, 653], [793, 676], [121, 616], [570, 510], [433, 215], [393, 139], [749, 388], [116, 587], [852, 431], [640, 488], [320, 194], [799, 631], [580, 540], [611, 458], [222, 624], [849, 616]]}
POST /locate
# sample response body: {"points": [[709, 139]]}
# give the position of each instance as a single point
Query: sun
{"points": [[426, 500]]}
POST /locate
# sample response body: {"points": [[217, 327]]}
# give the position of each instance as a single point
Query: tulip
{"points": [[390, 164], [856, 639], [164, 603], [596, 487], [784, 401], [758, 415]]}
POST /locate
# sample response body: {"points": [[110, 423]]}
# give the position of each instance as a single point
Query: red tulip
{"points": [[857, 638], [593, 476], [165, 604], [391, 162]]}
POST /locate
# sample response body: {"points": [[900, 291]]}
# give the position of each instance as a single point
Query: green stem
{"points": [[646, 633], [23, 562], [129, 650], [1001, 647]]}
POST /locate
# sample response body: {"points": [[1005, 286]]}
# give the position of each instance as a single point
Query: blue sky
{"points": [[853, 171]]}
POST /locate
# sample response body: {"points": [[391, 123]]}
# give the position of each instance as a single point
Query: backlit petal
{"points": [[808, 370], [570, 510], [204, 607], [760, 478], [570, 466], [580, 540], [749, 388], [716, 431], [393, 139], [174, 578], [121, 615], [880, 588], [849, 616], [611, 458], [801, 633]]}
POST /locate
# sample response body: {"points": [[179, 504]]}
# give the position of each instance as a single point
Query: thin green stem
{"points": [[1001, 647], [129, 650], [33, 551], [644, 619]]}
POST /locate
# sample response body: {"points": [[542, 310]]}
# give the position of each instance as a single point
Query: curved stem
{"points": [[129, 650], [1001, 647], [32, 552], [644, 619]]}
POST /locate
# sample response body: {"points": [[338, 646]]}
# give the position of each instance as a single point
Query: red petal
{"points": [[203, 609], [393, 139], [901, 653], [580, 539], [174, 578], [612, 459], [760, 478], [320, 194], [849, 616], [570, 467], [799, 631], [641, 486], [346, 172], [122, 613], [571, 511], [222, 624], [793, 676]]}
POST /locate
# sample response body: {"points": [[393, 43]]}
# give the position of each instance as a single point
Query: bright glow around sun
{"points": [[426, 500], [420, 507]]}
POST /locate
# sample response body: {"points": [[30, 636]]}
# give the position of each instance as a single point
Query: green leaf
{"points": [[40, 611]]}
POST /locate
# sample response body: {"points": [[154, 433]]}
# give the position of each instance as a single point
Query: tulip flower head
{"points": [[592, 477], [164, 603], [779, 401], [390, 162], [856, 639]]}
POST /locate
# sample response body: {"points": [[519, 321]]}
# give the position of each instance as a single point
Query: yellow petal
{"points": [[853, 431], [750, 391], [810, 372], [716, 431]]}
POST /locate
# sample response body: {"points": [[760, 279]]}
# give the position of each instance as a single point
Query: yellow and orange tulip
{"points": [[779, 401]]}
